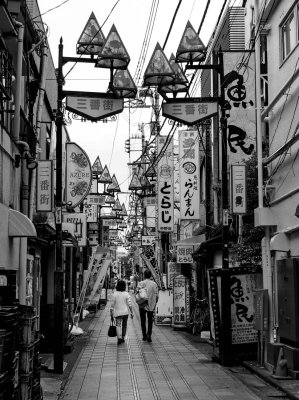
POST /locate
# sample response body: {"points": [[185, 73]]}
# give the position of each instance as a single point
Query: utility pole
{"points": [[225, 346], [58, 273]]}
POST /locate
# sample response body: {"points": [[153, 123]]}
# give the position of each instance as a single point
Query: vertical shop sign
{"points": [[44, 186], [78, 175], [238, 188], [165, 185], [240, 95], [189, 174]]}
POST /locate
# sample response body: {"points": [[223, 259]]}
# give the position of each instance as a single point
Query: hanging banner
{"points": [[78, 175], [189, 174], [44, 186], [165, 201], [101, 274], [238, 189], [240, 95]]}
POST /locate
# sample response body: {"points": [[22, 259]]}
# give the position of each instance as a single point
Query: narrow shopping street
{"points": [[171, 367]]}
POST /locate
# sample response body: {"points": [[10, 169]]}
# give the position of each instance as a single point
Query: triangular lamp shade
{"points": [[191, 47], [97, 166], [158, 71], [180, 83], [117, 206], [113, 186], [92, 38], [123, 85], [135, 183], [113, 53], [110, 200], [105, 176]]}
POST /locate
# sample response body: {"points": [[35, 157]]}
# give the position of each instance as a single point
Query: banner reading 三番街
{"points": [[189, 174]]}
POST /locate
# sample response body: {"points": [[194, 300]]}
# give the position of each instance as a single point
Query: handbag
{"points": [[141, 296], [112, 329]]}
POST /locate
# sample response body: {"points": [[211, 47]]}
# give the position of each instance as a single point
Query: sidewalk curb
{"points": [[264, 374]]}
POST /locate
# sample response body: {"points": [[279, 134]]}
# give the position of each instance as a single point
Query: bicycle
{"points": [[200, 317]]}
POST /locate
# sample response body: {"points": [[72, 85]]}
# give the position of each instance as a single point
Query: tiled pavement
{"points": [[169, 368]]}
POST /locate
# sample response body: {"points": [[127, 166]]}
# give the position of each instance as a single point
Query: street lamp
{"points": [[111, 54], [192, 52]]}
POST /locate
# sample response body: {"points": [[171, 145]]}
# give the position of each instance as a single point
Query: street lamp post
{"points": [[113, 60]]}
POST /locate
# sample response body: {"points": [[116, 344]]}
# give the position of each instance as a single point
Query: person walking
{"points": [[147, 308], [121, 305]]}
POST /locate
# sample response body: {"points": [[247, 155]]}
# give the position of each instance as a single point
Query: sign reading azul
{"points": [[93, 106], [190, 110], [78, 175]]}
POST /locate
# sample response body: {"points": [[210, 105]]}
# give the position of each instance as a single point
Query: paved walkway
{"points": [[169, 368]]}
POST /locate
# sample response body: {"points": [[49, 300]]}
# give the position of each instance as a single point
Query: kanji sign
{"points": [[165, 186], [190, 111], [238, 187], [93, 106], [44, 186], [189, 174], [184, 254]]}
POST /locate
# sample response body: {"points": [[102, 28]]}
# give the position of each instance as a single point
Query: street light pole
{"points": [[58, 273]]}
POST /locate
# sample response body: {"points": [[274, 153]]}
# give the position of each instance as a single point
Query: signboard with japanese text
{"points": [[240, 95], [78, 175], [91, 211], [93, 106], [174, 269], [148, 240], [243, 283], [184, 253], [44, 186], [109, 222], [176, 177], [189, 175], [165, 204], [95, 199], [79, 220], [190, 111], [181, 304], [238, 189]]}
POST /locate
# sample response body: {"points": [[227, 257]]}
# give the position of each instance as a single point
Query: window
{"points": [[289, 32]]}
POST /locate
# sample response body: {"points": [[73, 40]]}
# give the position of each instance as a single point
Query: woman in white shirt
{"points": [[121, 305]]}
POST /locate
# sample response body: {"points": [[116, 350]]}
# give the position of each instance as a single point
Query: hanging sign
{"points": [[148, 240], [91, 211], [93, 106], [78, 175], [165, 185], [238, 188], [44, 186], [190, 111], [189, 174], [184, 254], [79, 221]]}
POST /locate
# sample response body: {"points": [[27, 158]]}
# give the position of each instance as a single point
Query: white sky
{"points": [[130, 18]]}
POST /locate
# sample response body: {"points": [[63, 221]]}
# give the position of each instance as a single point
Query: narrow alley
{"points": [[171, 367]]}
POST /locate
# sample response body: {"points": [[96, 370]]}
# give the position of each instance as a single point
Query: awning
{"points": [[194, 240], [19, 225]]}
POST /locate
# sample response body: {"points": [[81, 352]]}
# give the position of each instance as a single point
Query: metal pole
{"points": [[225, 342], [58, 274]]}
